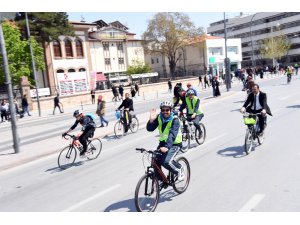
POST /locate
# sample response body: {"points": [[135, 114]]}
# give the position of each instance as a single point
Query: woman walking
{"points": [[101, 111]]}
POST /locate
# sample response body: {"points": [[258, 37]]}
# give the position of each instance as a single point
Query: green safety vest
{"points": [[164, 135], [191, 107]]}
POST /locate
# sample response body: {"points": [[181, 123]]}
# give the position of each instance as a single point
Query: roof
{"points": [[119, 25], [101, 23], [81, 23], [204, 38]]}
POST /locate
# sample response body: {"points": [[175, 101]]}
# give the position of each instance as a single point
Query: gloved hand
{"points": [[64, 134], [243, 110], [263, 112]]}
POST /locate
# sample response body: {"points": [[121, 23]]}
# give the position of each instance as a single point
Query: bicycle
{"points": [[119, 128], [147, 191], [251, 120], [68, 155], [190, 133], [289, 78]]}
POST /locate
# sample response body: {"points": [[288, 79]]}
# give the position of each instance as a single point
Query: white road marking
{"points": [[252, 203], [286, 97], [91, 198]]}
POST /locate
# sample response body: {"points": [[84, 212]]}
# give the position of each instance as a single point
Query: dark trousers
{"points": [[167, 160], [55, 108], [3, 114], [93, 99], [262, 120], [196, 120], [127, 118], [84, 137]]}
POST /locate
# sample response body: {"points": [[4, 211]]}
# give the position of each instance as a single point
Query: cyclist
{"points": [[194, 112], [257, 103], [88, 129], [289, 72], [170, 140], [127, 103]]}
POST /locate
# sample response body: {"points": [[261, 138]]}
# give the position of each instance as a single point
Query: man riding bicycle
{"points": [[194, 113], [257, 103], [88, 129], [127, 103], [170, 140]]}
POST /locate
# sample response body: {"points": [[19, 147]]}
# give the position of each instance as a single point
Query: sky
{"points": [[137, 21]]}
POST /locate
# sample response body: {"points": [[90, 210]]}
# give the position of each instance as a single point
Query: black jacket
{"points": [[262, 100], [127, 103]]}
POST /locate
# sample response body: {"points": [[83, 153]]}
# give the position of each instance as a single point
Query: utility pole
{"points": [[226, 61], [16, 139], [33, 65]]}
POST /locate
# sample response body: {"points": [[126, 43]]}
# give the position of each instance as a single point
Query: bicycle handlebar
{"points": [[148, 151], [71, 136], [251, 114]]}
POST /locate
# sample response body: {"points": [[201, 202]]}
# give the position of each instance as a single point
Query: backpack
{"points": [[92, 117]]}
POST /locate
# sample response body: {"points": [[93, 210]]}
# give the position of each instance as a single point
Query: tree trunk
{"points": [[172, 66]]}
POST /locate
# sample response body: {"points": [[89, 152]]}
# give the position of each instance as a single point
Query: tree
{"points": [[138, 68], [18, 54], [167, 33], [275, 47]]}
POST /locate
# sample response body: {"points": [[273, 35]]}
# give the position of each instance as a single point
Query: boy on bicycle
{"points": [[127, 103], [170, 140], [88, 129]]}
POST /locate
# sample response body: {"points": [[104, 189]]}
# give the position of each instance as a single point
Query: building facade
{"points": [[252, 29]]}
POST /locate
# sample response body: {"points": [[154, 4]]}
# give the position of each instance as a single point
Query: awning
{"points": [[100, 77]]}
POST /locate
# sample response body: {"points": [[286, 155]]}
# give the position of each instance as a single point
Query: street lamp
{"points": [[226, 61], [251, 23]]}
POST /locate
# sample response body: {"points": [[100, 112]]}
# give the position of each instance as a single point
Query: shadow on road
{"points": [[57, 169], [294, 106], [235, 152], [239, 102]]}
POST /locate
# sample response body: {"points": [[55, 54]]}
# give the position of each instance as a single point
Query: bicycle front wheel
{"points": [[200, 137], [185, 140], [119, 129], [248, 142], [134, 126], [94, 148], [146, 194], [67, 157], [181, 186]]}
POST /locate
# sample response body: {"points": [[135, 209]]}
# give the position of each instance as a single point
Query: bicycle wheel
{"points": [[248, 142], [119, 129], [186, 140], [181, 186], [134, 126], [94, 148], [200, 138], [67, 157], [146, 194]]}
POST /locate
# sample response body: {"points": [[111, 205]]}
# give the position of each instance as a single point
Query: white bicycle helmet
{"points": [[166, 104], [190, 92], [77, 112]]}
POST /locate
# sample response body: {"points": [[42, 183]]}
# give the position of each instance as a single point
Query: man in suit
{"points": [[257, 103]]}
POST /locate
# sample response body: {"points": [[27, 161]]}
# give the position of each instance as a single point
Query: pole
{"points": [[253, 61], [227, 75], [33, 65], [272, 46], [10, 94]]}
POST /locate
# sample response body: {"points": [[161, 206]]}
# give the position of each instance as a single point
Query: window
{"points": [[105, 46], [57, 49], [157, 60], [71, 71], [120, 46], [68, 47], [215, 51], [81, 70], [60, 71], [107, 61], [79, 49], [152, 61], [232, 49], [121, 60]]}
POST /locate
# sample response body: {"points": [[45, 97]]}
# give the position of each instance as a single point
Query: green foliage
{"points": [[138, 68], [18, 54]]}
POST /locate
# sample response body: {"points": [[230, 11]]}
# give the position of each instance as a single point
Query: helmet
{"points": [[188, 84], [166, 104], [77, 112], [190, 92]]}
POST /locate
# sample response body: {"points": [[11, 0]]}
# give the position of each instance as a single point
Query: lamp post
{"points": [[9, 85], [251, 23], [33, 65], [226, 61]]}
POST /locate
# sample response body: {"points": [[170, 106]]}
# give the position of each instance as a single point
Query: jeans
{"points": [[26, 110], [167, 160], [102, 119]]}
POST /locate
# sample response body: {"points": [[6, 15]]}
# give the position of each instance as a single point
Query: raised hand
{"points": [[153, 115]]}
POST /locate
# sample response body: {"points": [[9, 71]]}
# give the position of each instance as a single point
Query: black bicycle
{"points": [[147, 191], [68, 155], [252, 122], [119, 128]]}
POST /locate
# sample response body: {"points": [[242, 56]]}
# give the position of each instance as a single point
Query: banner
{"points": [[72, 83]]}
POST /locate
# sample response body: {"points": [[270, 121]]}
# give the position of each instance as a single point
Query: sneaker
{"points": [[181, 175], [107, 124], [82, 154]]}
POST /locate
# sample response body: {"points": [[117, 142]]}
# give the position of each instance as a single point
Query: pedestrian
{"points": [[4, 109], [136, 86], [213, 85], [132, 91], [115, 93], [25, 105], [121, 91], [93, 96], [101, 110], [206, 81], [170, 85], [56, 104], [217, 89], [17, 109], [200, 81]]}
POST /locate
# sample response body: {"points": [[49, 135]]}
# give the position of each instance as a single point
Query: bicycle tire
{"points": [[248, 146], [200, 140], [93, 151], [181, 186], [140, 196], [134, 126], [67, 157], [119, 129], [186, 141]]}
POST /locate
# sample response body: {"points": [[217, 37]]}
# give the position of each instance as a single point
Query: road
{"points": [[223, 178]]}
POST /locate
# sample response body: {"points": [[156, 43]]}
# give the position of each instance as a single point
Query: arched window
{"points": [[71, 71], [81, 70], [57, 49], [79, 48], [68, 47], [60, 71]]}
